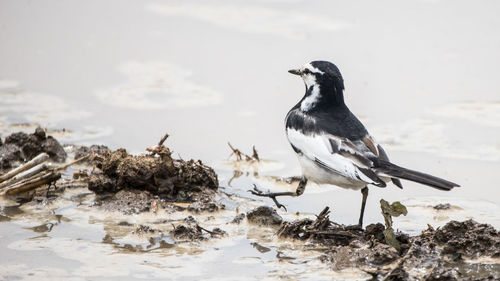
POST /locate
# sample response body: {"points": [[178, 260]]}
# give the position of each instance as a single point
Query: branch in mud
{"points": [[44, 179], [42, 157], [32, 175], [239, 155]]}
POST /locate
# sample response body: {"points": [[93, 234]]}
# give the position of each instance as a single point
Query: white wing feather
{"points": [[318, 148]]}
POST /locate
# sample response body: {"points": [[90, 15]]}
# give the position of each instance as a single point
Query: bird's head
{"points": [[320, 73], [324, 84]]}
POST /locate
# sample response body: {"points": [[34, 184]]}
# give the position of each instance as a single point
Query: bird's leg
{"points": [[359, 226], [364, 191], [300, 189]]}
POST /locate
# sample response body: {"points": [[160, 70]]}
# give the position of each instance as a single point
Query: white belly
{"points": [[319, 175]]}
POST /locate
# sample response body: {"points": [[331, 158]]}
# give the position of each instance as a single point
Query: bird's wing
{"points": [[337, 154], [380, 153]]}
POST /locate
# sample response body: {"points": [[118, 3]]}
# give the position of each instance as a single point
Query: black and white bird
{"points": [[333, 146]]}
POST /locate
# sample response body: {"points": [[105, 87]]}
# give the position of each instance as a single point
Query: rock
{"points": [[187, 232], [445, 206], [9, 155], [54, 149], [29, 146], [264, 215], [375, 230], [238, 218]]}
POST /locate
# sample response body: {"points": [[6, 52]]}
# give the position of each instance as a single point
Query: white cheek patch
{"points": [[309, 80]]}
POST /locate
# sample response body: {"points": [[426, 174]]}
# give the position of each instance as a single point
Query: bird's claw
{"points": [[258, 192]]}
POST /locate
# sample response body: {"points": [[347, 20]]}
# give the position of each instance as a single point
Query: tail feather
{"points": [[407, 174]]}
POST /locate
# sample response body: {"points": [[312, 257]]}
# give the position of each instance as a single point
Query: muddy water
{"points": [[420, 74]]}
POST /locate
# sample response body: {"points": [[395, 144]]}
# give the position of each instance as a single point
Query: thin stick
{"points": [[255, 154], [42, 157], [72, 163], [163, 140]]}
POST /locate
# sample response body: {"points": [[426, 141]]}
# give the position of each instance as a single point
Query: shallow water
{"points": [[421, 75]]}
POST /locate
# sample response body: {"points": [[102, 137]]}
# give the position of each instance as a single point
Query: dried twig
{"points": [[255, 155], [26, 175], [42, 157], [32, 184], [239, 155], [36, 173], [163, 139], [72, 163]]}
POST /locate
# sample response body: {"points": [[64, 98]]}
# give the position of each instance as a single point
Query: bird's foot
{"points": [[272, 195]]}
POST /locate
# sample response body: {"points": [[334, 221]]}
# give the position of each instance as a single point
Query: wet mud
{"points": [[156, 183], [132, 182], [20, 147], [435, 254]]}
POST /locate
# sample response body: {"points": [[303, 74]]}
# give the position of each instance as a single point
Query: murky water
{"points": [[421, 75]]}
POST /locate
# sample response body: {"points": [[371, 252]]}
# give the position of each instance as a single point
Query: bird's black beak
{"points": [[295, 71]]}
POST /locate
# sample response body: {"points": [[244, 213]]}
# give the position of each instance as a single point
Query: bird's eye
{"points": [[307, 71]]}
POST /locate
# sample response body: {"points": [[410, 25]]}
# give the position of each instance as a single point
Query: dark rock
{"points": [[54, 149], [186, 232], [9, 155], [40, 134], [445, 206], [144, 229], [264, 215], [376, 230], [29, 146], [19, 139], [237, 219]]}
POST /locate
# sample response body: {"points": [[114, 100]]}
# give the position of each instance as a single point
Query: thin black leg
{"points": [[364, 192], [300, 189]]}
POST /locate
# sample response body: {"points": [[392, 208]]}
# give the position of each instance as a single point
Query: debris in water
{"points": [[239, 155], [264, 215], [432, 255], [445, 206]]}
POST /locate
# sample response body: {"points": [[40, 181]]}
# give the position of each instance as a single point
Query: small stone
{"points": [[264, 215]]}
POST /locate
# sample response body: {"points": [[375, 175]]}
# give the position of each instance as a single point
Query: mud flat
{"points": [[174, 201]]}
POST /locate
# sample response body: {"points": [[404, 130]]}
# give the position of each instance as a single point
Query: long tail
{"points": [[392, 170]]}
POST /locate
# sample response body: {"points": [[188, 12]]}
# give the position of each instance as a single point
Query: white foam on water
{"points": [[429, 134], [157, 85], [252, 19], [481, 113]]}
